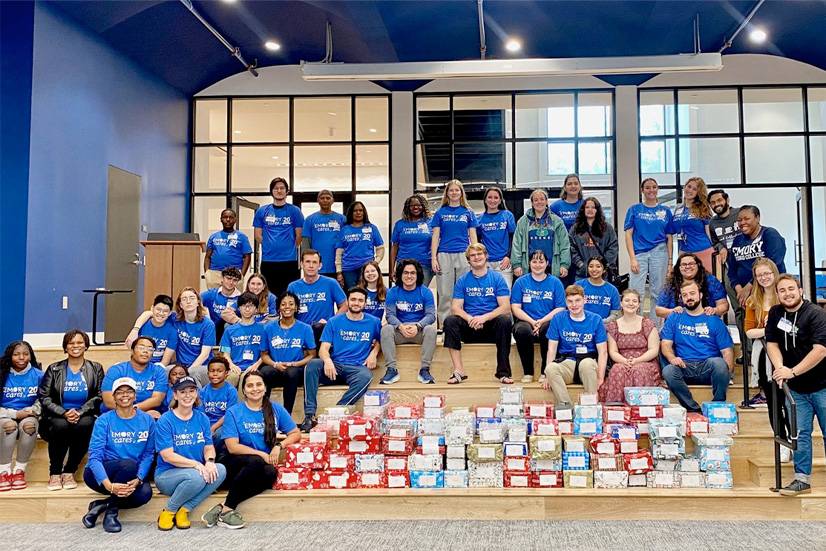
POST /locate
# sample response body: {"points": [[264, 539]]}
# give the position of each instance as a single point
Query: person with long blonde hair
{"points": [[376, 293], [690, 222]]}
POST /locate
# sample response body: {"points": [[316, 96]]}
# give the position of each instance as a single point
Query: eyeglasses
{"points": [[763, 275], [408, 273], [189, 299], [687, 264], [144, 348]]}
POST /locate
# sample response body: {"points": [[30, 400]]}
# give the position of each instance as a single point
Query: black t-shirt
{"points": [[803, 329]]}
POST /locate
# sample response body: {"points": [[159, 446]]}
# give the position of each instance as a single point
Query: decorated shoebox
{"points": [[359, 427], [564, 411], [293, 479], [629, 446], [666, 464], [566, 427], [638, 463], [342, 462], [642, 428], [604, 462], [637, 480], [625, 432], [485, 412], [430, 442], [646, 395], [616, 414], [359, 446], [588, 399], [545, 427], [307, 455], [459, 435], [689, 464], [587, 426], [578, 478], [455, 464], [576, 461], [696, 423], [396, 446], [546, 479], [341, 480], [491, 431], [610, 479], [720, 412], [511, 395], [375, 411], [331, 421], [517, 430], [485, 475], [714, 458], [431, 450], [719, 480], [456, 478], [407, 410], [670, 448], [725, 429], [604, 444], [485, 452], [677, 413], [516, 479], [644, 413], [509, 411], [577, 444], [517, 464], [662, 479], [427, 479], [545, 447], [661, 429], [395, 463], [372, 480], [691, 480], [323, 434], [515, 449], [591, 411], [376, 398], [433, 413], [340, 411], [711, 440], [546, 464], [456, 451], [417, 462], [539, 410], [398, 479], [432, 426], [370, 463], [400, 428], [434, 401]]}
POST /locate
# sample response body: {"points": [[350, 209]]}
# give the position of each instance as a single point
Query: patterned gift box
{"points": [[725, 429], [545, 427], [696, 424], [319, 480], [395, 463], [433, 413], [340, 411], [323, 434], [669, 448], [456, 478], [539, 410], [644, 413], [427, 479], [359, 446], [546, 464], [432, 426], [370, 463], [307, 455], [485, 412], [372, 480], [720, 412], [293, 479], [677, 413], [637, 480], [485, 452], [376, 397], [407, 410], [398, 479], [545, 447], [625, 432], [564, 411], [610, 479], [715, 458], [662, 479], [588, 399], [400, 428], [417, 462], [455, 464], [431, 450], [691, 480], [546, 479], [456, 451], [666, 464], [646, 395], [588, 426], [491, 431], [719, 480], [342, 462], [629, 446], [509, 411], [511, 395], [574, 444], [434, 401], [566, 427], [517, 464], [638, 463], [375, 411], [616, 414], [689, 464], [517, 430], [576, 461], [515, 449], [359, 427], [600, 462], [396, 446], [517, 479], [701, 440], [486, 471], [661, 429], [431, 441], [588, 412], [459, 435], [331, 421], [604, 444], [578, 479], [642, 427], [342, 480]]}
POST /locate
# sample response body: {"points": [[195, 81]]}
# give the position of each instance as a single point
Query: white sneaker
{"points": [[542, 378], [785, 454]]}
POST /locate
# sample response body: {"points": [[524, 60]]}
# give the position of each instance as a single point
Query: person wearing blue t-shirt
{"points": [[286, 348], [321, 230], [411, 319], [649, 244], [225, 248], [20, 377], [601, 297], [577, 348], [241, 342], [151, 379], [175, 372], [413, 236], [250, 433], [480, 312], [358, 243], [186, 470], [347, 355], [454, 228], [755, 241], [120, 456], [690, 222], [696, 349], [220, 301], [278, 228], [687, 268], [372, 281], [535, 299], [218, 396], [159, 328], [567, 207], [320, 297], [496, 227]]}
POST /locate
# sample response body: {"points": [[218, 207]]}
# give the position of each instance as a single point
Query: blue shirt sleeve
{"points": [[473, 222], [666, 299], [775, 248], [148, 452], [258, 219], [716, 291], [208, 333], [501, 289], [559, 295], [97, 447], [327, 333], [629, 219], [437, 219], [377, 240], [394, 237], [210, 246], [307, 228], [246, 248], [459, 289], [309, 338], [516, 293], [297, 218], [615, 298], [667, 333], [338, 294], [163, 433], [230, 429], [283, 420], [723, 337], [600, 336], [226, 344], [553, 329], [207, 298], [511, 222], [108, 380]]}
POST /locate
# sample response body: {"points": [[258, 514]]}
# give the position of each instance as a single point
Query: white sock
{"points": [[5, 469], [20, 467]]}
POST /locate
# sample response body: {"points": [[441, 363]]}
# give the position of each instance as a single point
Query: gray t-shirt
{"points": [[724, 230]]}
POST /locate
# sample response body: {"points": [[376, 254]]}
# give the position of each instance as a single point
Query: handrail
{"points": [[789, 421]]}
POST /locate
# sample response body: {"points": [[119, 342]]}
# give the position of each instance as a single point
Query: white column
{"points": [[628, 165], [402, 163]]}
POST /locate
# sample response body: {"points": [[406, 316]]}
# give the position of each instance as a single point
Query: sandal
{"points": [[456, 378], [506, 380]]}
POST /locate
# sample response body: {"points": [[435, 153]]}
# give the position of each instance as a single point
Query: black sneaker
{"points": [[308, 423], [739, 360], [796, 488]]}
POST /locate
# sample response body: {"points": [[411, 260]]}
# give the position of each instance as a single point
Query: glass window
{"points": [[656, 113], [433, 116], [210, 169], [372, 119], [716, 160], [433, 164], [708, 112], [323, 167], [545, 115], [561, 158], [372, 167], [594, 115], [595, 159], [817, 109], [260, 120], [378, 209], [533, 160], [211, 121], [322, 120], [773, 110], [481, 118], [658, 160], [482, 163], [253, 167], [778, 159], [817, 157]]}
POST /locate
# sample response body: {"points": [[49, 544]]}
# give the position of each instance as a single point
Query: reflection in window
{"points": [[261, 120], [594, 158], [561, 158], [211, 121], [322, 120]]}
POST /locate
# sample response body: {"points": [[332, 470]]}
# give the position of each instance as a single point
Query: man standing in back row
{"points": [[278, 229], [321, 230], [723, 228]]}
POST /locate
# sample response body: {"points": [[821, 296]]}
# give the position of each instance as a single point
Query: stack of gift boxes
{"points": [[515, 444]]}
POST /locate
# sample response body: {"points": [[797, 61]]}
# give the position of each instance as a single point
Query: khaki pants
{"points": [[562, 374]]}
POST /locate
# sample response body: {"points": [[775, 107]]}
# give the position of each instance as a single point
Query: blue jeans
{"points": [[357, 377], [351, 278], [654, 264], [427, 271], [712, 371], [186, 487], [808, 406], [120, 471]]}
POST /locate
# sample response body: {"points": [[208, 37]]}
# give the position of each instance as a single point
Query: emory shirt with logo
{"points": [[228, 249], [322, 230], [576, 337], [319, 300], [278, 225], [494, 230], [696, 338], [650, 225], [116, 438], [745, 250], [248, 425], [287, 345], [186, 438], [480, 293], [351, 340], [454, 224], [21, 388], [152, 379], [538, 298]]}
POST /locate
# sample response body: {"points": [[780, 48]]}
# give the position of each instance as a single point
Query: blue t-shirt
{"points": [[21, 389], [480, 293], [351, 340], [716, 291], [243, 342], [600, 299], [279, 225], [494, 230], [215, 301], [410, 305], [248, 426], [322, 230], [165, 336], [152, 379], [573, 335], [228, 249], [650, 224], [696, 338], [75, 390], [373, 306], [454, 224], [538, 298], [744, 251], [319, 300], [116, 438], [186, 438], [358, 245], [414, 239], [191, 337], [690, 230], [167, 400], [216, 401], [287, 345], [272, 309], [567, 211]]}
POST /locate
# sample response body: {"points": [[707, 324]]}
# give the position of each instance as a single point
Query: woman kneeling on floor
{"points": [[250, 432], [186, 469]]}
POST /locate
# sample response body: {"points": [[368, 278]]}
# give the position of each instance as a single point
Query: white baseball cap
{"points": [[125, 381]]}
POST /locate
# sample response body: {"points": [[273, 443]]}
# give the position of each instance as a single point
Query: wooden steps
{"points": [[761, 470]]}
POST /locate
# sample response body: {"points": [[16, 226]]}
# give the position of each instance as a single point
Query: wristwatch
{"points": [[419, 326]]}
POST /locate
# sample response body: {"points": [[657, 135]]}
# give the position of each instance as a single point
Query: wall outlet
{"points": [[65, 303]]}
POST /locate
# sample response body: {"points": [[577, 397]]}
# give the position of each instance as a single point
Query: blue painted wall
{"points": [[92, 107]]}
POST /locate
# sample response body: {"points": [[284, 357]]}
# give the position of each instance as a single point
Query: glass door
{"points": [[246, 212]]}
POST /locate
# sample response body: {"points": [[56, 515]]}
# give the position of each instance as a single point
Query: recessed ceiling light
{"points": [[237, 131], [331, 113], [513, 45], [275, 156], [229, 1], [373, 130], [272, 46], [758, 36]]}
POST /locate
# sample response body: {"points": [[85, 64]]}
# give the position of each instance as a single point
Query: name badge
{"points": [[784, 325], [581, 349], [527, 298], [248, 355]]}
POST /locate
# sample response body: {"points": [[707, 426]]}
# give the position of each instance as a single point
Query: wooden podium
{"points": [[169, 267]]}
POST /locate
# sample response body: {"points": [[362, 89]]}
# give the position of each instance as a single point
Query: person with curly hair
{"points": [[690, 222], [689, 268], [412, 237]]}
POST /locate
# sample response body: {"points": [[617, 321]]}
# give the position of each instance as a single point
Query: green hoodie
{"points": [[562, 244]]}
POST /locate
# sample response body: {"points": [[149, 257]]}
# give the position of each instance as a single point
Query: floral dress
{"points": [[630, 345]]}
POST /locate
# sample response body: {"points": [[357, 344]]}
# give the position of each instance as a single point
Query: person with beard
{"points": [[755, 241], [796, 346], [320, 232], [697, 349]]}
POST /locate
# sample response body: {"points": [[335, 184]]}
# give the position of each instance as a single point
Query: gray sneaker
{"points": [[211, 516], [231, 520], [797, 487]]}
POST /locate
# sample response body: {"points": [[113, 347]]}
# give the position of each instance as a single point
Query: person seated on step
{"points": [[222, 298], [241, 343], [120, 456], [411, 319], [689, 268], [696, 349], [321, 297], [347, 355], [480, 313], [577, 348], [150, 379], [161, 328]]}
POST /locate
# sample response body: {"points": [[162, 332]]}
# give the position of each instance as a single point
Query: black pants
{"points": [[496, 331], [318, 328], [279, 275], [289, 379], [247, 476], [525, 339], [768, 386], [120, 471], [63, 436]]}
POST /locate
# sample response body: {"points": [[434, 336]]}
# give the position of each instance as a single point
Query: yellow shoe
{"points": [[166, 521], [181, 519]]}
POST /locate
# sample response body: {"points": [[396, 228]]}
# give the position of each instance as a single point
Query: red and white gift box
{"points": [[359, 427], [398, 479], [342, 462], [432, 401], [604, 444], [359, 446], [407, 410], [638, 463], [395, 463], [293, 479], [643, 413], [539, 410], [546, 479], [517, 479], [372, 480], [307, 455], [545, 427], [609, 462], [519, 464], [616, 415], [342, 480], [325, 434], [695, 423], [397, 446]]}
